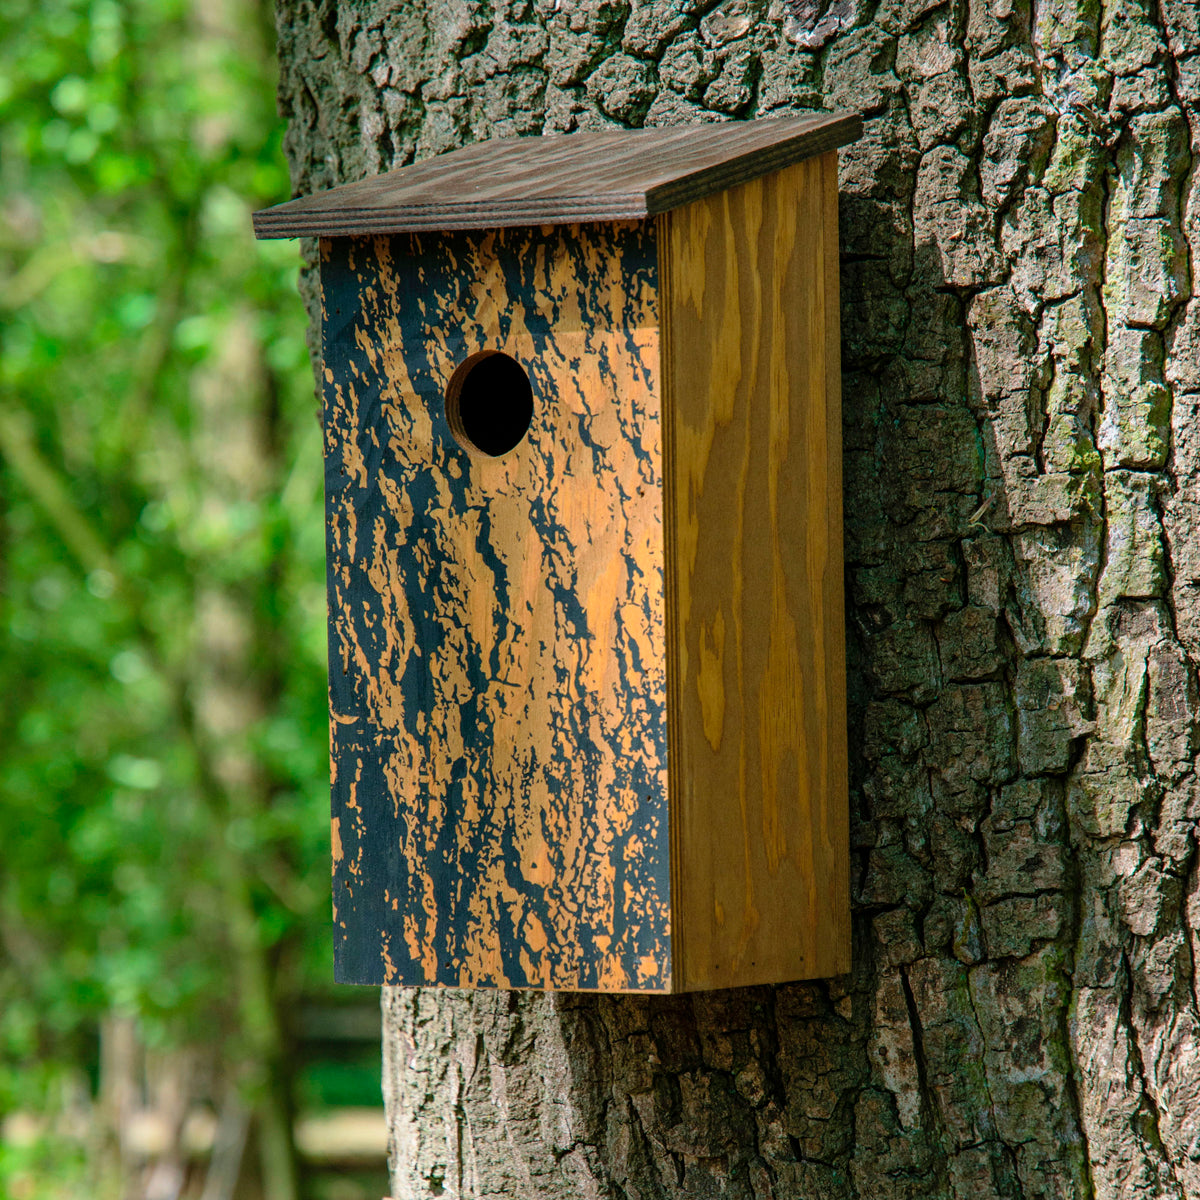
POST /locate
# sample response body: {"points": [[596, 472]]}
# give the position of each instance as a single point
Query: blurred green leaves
{"points": [[163, 797]]}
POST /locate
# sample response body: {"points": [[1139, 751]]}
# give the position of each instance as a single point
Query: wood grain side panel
{"points": [[496, 625], [754, 559]]}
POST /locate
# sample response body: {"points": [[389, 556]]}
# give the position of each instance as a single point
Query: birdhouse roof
{"points": [[561, 179]]}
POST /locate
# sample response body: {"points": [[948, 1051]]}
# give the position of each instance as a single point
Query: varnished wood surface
{"points": [[588, 699], [752, 428], [497, 650], [567, 178]]}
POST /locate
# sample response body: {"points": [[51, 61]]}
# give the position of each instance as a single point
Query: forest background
{"points": [[164, 887], [1020, 225]]}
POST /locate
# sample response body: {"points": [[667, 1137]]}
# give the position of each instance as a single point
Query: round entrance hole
{"points": [[489, 403]]}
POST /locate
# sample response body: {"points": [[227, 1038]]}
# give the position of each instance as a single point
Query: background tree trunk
{"points": [[1022, 388]]}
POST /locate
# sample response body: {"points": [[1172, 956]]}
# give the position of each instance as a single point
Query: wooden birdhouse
{"points": [[584, 520]]}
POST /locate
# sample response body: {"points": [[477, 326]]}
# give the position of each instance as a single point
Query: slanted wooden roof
{"points": [[559, 179]]}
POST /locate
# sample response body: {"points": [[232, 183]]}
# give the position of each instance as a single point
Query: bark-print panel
{"points": [[497, 672]]}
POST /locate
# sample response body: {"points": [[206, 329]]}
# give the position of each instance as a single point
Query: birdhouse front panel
{"points": [[497, 627]]}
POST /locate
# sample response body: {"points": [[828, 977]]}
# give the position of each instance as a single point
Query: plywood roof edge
{"points": [[846, 128], [348, 222]]}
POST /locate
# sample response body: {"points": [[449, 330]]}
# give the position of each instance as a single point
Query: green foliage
{"points": [[163, 774], [350, 1079]]}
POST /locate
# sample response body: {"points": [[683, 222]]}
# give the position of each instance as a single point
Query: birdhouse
{"points": [[584, 531]]}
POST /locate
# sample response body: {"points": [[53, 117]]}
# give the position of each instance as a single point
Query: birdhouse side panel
{"points": [[751, 359], [497, 669]]}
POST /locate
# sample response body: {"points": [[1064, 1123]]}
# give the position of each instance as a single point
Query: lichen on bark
{"points": [[1021, 355]]}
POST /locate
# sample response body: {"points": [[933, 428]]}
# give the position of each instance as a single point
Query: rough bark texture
{"points": [[1022, 386]]}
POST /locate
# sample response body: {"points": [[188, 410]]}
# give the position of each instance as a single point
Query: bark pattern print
{"points": [[1021, 382], [497, 656]]}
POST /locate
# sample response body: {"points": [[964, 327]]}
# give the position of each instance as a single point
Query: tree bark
{"points": [[1021, 356]]}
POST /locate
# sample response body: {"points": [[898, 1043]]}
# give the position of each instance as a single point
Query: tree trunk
{"points": [[1021, 361]]}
